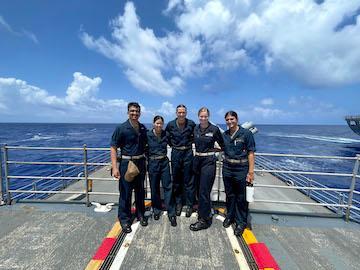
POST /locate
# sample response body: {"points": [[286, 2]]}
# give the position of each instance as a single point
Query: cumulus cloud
{"points": [[303, 38], [167, 109], [23, 33], [142, 55], [80, 102]]}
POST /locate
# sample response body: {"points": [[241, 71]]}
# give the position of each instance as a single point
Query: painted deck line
{"points": [[115, 231], [104, 250], [94, 265], [251, 241], [239, 255], [105, 247], [249, 237], [263, 257], [73, 197], [124, 248]]}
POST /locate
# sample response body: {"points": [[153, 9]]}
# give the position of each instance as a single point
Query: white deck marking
{"points": [[120, 256], [239, 256], [73, 197]]}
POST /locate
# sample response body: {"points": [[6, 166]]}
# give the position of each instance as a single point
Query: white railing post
{"points": [[1, 180], [86, 177], [352, 187], [6, 171], [341, 201]]}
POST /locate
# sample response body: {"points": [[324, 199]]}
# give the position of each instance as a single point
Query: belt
{"points": [[204, 154], [132, 157], [157, 157], [182, 147], [237, 161]]}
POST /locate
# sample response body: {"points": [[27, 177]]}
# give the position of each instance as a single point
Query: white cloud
{"points": [[31, 36], [267, 112], [301, 38], [21, 99], [23, 33], [167, 109], [82, 88], [5, 25], [267, 102], [172, 4], [139, 52]]}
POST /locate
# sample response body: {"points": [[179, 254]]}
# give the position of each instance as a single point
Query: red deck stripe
{"points": [[104, 249], [263, 257]]}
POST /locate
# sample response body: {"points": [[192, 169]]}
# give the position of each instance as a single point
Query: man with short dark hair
{"points": [[181, 136], [130, 137]]}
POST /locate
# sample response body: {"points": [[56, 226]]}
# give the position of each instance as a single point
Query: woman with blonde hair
{"points": [[204, 166]]}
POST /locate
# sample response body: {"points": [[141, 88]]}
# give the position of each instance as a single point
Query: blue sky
{"points": [[274, 62]]}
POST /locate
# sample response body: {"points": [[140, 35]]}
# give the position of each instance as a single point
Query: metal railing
{"points": [[340, 200], [332, 198]]}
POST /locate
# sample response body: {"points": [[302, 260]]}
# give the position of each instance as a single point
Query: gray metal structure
{"points": [[353, 122]]}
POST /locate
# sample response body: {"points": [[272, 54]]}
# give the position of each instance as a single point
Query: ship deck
{"points": [[50, 235]]}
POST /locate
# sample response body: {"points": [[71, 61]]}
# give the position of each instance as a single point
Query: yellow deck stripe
{"points": [[221, 210], [115, 231], [94, 265], [249, 237], [147, 203]]}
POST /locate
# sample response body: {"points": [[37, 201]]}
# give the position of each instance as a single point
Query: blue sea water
{"points": [[290, 139]]}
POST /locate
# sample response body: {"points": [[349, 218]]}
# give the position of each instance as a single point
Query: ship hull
{"points": [[354, 123]]}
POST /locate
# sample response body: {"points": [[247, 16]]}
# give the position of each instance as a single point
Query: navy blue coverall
{"points": [[205, 166], [237, 148], [131, 143], [159, 169], [181, 161]]}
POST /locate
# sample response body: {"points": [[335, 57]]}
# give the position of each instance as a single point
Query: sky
{"points": [[273, 62]]}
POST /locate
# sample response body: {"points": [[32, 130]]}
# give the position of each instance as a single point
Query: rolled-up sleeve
{"points": [[116, 138], [250, 142]]}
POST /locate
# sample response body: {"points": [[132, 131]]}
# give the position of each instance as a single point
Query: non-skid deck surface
{"points": [[160, 246], [49, 237], [308, 243]]}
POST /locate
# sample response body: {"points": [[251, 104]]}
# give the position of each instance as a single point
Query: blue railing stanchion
{"points": [[352, 187]]}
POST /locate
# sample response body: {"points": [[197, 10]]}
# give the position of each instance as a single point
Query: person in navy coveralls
{"points": [[159, 169], [238, 171], [130, 137], [205, 136], [180, 132]]}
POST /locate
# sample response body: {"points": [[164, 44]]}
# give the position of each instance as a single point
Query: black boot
{"points": [[227, 222], [189, 211], [239, 229], [143, 221], [201, 224], [178, 209], [126, 228], [173, 221]]}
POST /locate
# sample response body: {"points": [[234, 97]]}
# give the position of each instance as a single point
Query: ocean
{"points": [[329, 140]]}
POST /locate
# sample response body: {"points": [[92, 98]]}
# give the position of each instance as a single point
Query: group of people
{"points": [[192, 175]]}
